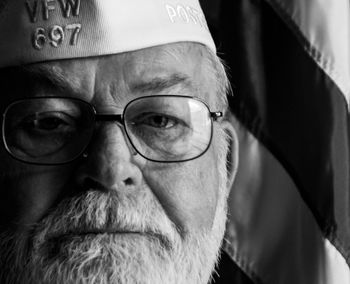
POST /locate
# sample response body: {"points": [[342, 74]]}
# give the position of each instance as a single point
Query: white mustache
{"points": [[97, 212]]}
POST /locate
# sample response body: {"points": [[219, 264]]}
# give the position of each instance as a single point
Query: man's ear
{"points": [[232, 155]]}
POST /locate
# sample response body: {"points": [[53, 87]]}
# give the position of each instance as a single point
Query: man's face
{"points": [[114, 216]]}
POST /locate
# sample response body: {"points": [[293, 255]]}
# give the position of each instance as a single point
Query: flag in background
{"points": [[289, 210]]}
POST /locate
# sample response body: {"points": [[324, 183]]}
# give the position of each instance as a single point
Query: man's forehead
{"points": [[177, 61], [153, 70]]}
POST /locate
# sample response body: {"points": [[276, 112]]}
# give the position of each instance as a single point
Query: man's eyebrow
{"points": [[50, 77], [160, 84]]}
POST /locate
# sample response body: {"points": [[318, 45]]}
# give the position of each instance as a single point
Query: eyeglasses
{"points": [[57, 130]]}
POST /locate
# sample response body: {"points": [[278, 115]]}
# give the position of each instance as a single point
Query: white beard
{"points": [[159, 253]]}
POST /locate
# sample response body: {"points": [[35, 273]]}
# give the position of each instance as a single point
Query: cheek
{"points": [[27, 192], [188, 192]]}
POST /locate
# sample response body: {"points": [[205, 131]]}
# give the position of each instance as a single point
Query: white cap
{"points": [[41, 30]]}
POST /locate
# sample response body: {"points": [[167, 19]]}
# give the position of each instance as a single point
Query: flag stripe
{"points": [[323, 28], [336, 268]]}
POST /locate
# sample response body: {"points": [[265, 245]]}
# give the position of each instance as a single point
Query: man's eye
{"points": [[156, 120], [47, 122]]}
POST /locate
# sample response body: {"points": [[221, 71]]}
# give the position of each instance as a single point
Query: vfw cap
{"points": [[41, 30]]}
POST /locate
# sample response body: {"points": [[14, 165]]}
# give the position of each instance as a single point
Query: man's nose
{"points": [[109, 163]]}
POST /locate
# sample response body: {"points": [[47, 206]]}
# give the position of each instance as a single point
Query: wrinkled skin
{"points": [[187, 192]]}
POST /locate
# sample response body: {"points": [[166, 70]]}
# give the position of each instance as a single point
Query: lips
{"points": [[96, 233], [90, 234]]}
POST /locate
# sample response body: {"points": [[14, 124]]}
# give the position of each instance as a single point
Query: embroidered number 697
{"points": [[55, 35]]}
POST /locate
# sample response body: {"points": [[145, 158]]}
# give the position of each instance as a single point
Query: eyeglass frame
{"points": [[118, 118]]}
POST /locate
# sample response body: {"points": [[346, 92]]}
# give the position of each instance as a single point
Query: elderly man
{"points": [[117, 158]]}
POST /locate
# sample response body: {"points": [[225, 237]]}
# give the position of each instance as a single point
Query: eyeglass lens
{"points": [[57, 130]]}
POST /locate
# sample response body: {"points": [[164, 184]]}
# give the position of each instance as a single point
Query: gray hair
{"points": [[216, 70]]}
